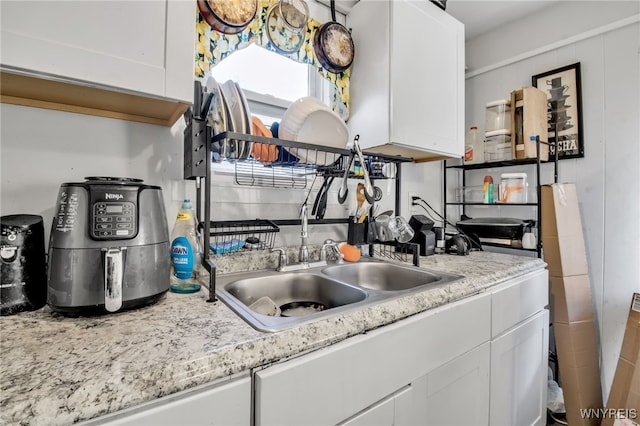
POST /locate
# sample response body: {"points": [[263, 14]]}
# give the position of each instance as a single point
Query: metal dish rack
{"points": [[199, 148], [396, 251], [233, 236]]}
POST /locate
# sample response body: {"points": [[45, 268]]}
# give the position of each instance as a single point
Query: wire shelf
{"points": [[401, 252], [234, 236], [279, 163]]}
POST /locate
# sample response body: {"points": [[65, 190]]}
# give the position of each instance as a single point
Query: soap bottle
{"points": [[488, 190], [185, 251]]}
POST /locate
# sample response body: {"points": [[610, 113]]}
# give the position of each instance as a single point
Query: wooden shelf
{"points": [[71, 96]]}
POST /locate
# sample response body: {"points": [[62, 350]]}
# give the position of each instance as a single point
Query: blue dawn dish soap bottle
{"points": [[185, 251]]}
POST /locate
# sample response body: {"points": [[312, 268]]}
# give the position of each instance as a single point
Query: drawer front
{"points": [[517, 300], [334, 383], [227, 402]]}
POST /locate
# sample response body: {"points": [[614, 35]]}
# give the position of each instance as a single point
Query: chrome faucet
{"points": [[334, 250], [282, 264], [303, 255]]}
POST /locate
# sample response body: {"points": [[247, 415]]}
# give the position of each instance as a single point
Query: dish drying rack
{"points": [[199, 148], [232, 236], [400, 252]]}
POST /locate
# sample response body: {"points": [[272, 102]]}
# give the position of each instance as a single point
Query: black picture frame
{"points": [[563, 88]]}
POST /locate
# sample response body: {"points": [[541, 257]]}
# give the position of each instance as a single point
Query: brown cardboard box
{"points": [[570, 299], [565, 256], [561, 231], [579, 371], [529, 118], [571, 307], [625, 391], [560, 210]]}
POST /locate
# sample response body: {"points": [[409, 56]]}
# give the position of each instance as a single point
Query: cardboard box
{"points": [[565, 256], [579, 371], [561, 231], [529, 118], [625, 391], [570, 299], [560, 210]]}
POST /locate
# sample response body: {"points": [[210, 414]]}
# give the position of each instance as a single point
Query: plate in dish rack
{"points": [[310, 121], [237, 122]]}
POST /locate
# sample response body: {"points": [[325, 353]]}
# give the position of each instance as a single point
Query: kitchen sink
{"points": [[288, 288], [382, 276], [270, 301]]}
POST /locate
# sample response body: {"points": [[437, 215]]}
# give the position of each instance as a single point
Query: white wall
{"points": [[605, 38]]}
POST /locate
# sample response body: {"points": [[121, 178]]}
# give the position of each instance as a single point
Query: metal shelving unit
{"points": [[498, 164], [200, 144]]}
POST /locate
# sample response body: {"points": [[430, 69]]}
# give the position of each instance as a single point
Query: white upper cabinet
{"points": [[143, 48], [407, 80]]}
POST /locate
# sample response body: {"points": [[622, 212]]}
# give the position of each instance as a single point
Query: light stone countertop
{"points": [[57, 370]]}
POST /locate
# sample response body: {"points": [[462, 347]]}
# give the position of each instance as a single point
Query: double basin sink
{"points": [[271, 301]]}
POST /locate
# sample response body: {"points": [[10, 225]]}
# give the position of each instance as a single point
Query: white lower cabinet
{"points": [[336, 383], [456, 393], [519, 373], [224, 403], [478, 361]]}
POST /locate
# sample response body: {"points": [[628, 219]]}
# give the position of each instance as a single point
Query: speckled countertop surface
{"points": [[57, 370]]}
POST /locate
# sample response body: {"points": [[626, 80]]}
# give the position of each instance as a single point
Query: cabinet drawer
{"points": [[517, 300], [227, 402], [334, 383]]}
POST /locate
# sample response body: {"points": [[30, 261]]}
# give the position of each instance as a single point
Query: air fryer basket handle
{"points": [[113, 274]]}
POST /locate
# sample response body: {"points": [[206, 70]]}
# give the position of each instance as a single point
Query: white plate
{"points": [[237, 122], [310, 121], [247, 122]]}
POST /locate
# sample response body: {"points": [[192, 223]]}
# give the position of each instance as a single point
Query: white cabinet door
{"points": [[139, 46], [456, 393], [227, 403], [519, 360], [407, 84], [427, 78]]}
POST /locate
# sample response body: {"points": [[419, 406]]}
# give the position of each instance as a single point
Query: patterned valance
{"points": [[213, 46]]}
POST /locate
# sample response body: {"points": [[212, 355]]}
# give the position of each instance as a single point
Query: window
{"points": [[270, 81]]}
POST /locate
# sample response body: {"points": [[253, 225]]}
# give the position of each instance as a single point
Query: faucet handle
{"points": [[283, 257], [334, 247]]}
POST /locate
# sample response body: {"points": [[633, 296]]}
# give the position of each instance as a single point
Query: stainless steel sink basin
{"points": [[327, 290], [382, 276], [295, 287]]}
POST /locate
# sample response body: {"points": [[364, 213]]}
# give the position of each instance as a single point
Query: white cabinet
{"points": [[407, 80], [519, 351], [227, 402], [456, 393], [519, 374], [478, 361], [139, 48]]}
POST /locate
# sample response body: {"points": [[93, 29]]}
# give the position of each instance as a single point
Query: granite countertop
{"points": [[57, 370]]}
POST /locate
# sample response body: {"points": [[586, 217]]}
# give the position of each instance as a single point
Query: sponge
{"points": [[350, 253]]}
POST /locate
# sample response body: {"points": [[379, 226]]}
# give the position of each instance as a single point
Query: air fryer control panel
{"points": [[113, 213]]}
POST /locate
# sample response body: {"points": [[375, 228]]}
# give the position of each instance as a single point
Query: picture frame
{"points": [[563, 88]]}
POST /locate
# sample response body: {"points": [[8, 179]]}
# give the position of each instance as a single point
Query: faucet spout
{"points": [[303, 255]]}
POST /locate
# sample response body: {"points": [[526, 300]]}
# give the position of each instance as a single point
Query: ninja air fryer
{"points": [[109, 246], [22, 258]]}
